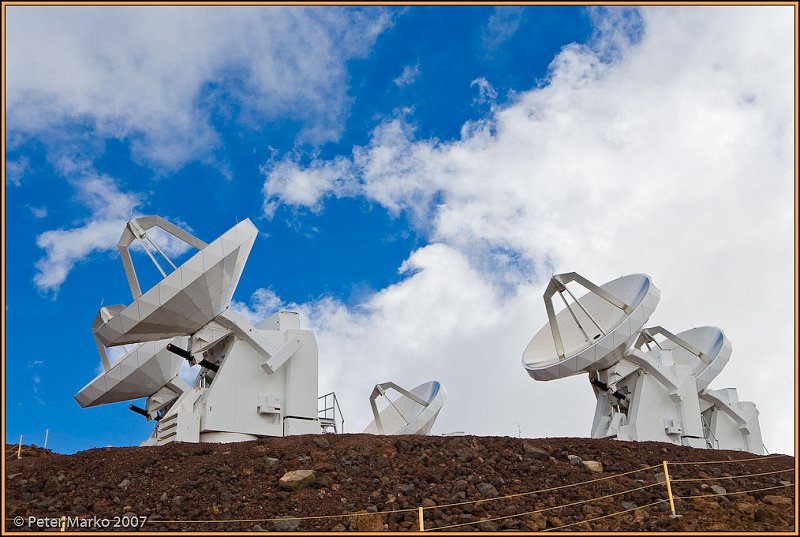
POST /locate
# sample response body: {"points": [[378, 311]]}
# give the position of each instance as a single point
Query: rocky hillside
{"points": [[357, 482]]}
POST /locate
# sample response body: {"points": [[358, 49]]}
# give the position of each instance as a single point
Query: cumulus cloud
{"points": [[149, 74], [110, 208], [667, 152], [262, 304], [63, 248]]}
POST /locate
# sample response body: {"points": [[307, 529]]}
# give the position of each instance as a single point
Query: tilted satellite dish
{"points": [[412, 413], [242, 391], [140, 373], [591, 332], [646, 388], [705, 349], [187, 298]]}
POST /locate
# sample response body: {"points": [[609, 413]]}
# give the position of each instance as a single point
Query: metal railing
{"points": [[329, 412]]}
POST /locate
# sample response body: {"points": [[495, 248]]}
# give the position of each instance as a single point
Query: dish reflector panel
{"points": [[406, 416], [140, 373], [709, 340], [594, 332], [189, 297]]}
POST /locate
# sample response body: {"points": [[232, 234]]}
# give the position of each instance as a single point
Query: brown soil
{"points": [[387, 478]]}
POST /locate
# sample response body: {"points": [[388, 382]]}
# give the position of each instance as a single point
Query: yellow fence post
{"points": [[669, 491], [19, 450], [421, 520]]}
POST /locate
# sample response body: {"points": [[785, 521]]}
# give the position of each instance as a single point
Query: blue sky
{"points": [[416, 173]]}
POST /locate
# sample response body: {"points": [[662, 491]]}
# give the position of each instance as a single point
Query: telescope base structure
{"points": [[646, 388], [243, 400], [646, 397]]}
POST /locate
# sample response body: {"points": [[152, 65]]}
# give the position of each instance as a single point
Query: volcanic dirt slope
{"points": [[228, 483]]}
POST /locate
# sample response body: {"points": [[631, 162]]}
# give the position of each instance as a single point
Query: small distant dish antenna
{"points": [[650, 384], [414, 412], [244, 389]]}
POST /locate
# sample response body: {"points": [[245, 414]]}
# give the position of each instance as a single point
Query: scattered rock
{"points": [[124, 484], [535, 452], [271, 461], [297, 479], [718, 489], [488, 526], [367, 522], [177, 500], [321, 442], [574, 460], [593, 466], [257, 527], [285, 525], [44, 504], [768, 515], [748, 509], [777, 500], [487, 490], [535, 522]]}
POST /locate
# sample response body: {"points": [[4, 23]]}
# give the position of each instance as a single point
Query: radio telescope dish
{"points": [[412, 413], [706, 349], [187, 298], [592, 332], [244, 388], [140, 373]]}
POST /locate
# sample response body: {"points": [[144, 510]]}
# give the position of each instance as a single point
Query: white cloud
{"points": [[291, 183], [16, 169], [151, 74], [110, 209], [486, 92], [501, 26], [36, 380], [408, 76], [671, 156], [39, 212], [263, 303]]}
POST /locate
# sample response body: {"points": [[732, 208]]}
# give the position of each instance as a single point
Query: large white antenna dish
{"points": [[412, 413], [593, 331], [242, 391], [187, 298], [650, 384]]}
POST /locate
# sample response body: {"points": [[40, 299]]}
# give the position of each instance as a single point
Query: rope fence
{"points": [[662, 479], [665, 481]]}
